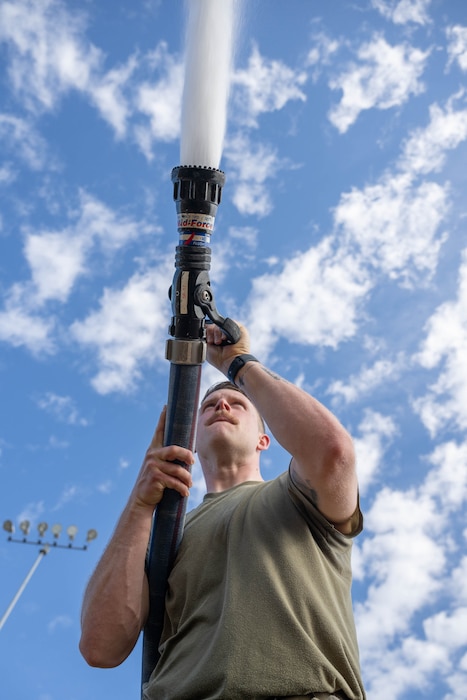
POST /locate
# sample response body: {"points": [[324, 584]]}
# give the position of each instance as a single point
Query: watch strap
{"points": [[237, 364]]}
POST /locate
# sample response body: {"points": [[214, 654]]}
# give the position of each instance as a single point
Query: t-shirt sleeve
{"points": [[312, 513]]}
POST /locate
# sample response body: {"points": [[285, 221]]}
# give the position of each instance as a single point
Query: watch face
{"points": [[237, 364]]}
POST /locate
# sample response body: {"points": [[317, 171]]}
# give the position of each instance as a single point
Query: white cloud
{"points": [[377, 432], [105, 487], [448, 479], [246, 235], [367, 380], [252, 199], [405, 575], [69, 493], [448, 630], [445, 343], [425, 149], [123, 463], [394, 224], [107, 92], [48, 55], [19, 326], [58, 258], [411, 664], [110, 229], [404, 11], [252, 165], [32, 512], [128, 329], [457, 47], [160, 101], [62, 407], [265, 86], [20, 138], [322, 50], [316, 298], [60, 621], [7, 175], [409, 559], [459, 582], [56, 443], [384, 77]]}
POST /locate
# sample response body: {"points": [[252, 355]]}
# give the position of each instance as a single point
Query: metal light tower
{"points": [[45, 548]]}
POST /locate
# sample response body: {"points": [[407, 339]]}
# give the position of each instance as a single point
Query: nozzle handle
{"points": [[205, 299], [229, 327], [231, 330]]}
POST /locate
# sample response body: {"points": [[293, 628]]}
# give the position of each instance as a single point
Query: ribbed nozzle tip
{"points": [[197, 189]]}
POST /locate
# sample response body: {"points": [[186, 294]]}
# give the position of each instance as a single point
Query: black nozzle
{"points": [[197, 194]]}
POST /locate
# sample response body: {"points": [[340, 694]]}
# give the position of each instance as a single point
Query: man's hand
{"points": [[159, 471], [221, 356]]}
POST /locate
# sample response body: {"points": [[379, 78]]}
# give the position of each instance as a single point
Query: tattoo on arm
{"points": [[305, 486], [272, 374], [241, 380]]}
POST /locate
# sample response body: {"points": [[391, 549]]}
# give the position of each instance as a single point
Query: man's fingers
{"points": [[162, 469], [172, 454], [158, 437], [174, 482]]}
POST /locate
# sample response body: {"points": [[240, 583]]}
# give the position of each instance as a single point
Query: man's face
{"points": [[227, 419]]}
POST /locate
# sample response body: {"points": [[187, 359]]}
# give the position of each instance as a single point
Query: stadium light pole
{"points": [[45, 548]]}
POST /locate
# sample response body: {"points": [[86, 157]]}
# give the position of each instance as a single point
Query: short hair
{"points": [[228, 385]]}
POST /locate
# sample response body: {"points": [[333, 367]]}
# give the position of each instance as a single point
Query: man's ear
{"points": [[263, 442]]}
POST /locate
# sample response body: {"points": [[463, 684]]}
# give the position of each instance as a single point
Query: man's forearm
{"points": [[299, 422], [323, 460], [116, 599]]}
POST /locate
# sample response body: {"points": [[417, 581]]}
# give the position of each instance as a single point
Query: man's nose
{"points": [[222, 405]]}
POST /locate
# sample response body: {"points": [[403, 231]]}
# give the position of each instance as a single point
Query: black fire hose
{"points": [[197, 193]]}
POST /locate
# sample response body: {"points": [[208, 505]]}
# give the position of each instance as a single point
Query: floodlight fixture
{"points": [[8, 526], [92, 534], [41, 528], [24, 527], [56, 530], [71, 531]]}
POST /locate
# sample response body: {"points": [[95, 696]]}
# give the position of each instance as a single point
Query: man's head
{"points": [[229, 425], [232, 387]]}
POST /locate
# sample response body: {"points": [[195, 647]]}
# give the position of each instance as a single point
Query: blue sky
{"points": [[340, 242]]}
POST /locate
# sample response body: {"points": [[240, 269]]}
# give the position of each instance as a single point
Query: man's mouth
{"points": [[222, 417]]}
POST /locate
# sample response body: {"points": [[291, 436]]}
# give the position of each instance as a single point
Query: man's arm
{"points": [[116, 600], [323, 459]]}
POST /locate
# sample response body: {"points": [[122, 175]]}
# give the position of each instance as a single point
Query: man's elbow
{"points": [[340, 455], [99, 655]]}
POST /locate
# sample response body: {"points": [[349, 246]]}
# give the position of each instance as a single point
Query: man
{"points": [[259, 603]]}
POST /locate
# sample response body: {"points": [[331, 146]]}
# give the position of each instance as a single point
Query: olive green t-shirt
{"points": [[259, 601]]}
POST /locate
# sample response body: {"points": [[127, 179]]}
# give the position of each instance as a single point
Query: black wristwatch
{"points": [[237, 364]]}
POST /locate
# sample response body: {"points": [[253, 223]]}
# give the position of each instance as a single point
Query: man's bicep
{"points": [[335, 494]]}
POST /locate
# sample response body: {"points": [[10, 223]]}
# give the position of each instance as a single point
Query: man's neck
{"points": [[221, 478]]}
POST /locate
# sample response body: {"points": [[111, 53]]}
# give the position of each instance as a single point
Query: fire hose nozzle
{"points": [[197, 194]]}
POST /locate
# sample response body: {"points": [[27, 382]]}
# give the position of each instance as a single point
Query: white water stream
{"points": [[210, 38]]}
